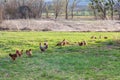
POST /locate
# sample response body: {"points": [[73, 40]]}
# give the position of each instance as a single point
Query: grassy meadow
{"points": [[99, 60]]}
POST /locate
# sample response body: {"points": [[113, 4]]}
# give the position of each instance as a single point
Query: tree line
{"points": [[104, 8], [16, 9]]}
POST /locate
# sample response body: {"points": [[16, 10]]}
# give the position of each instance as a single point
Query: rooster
{"points": [[46, 45], [29, 52], [43, 48], [13, 56]]}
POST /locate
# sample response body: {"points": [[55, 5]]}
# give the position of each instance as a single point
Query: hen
{"points": [[29, 52], [62, 43], [83, 43], [19, 53], [13, 56]]}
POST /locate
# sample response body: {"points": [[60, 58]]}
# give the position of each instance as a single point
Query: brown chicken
{"points": [[65, 42], [19, 53], [13, 56], [59, 44], [80, 43], [29, 52], [83, 43], [105, 37], [43, 48], [93, 37], [62, 43]]}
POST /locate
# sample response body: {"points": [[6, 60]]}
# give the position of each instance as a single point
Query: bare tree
{"points": [[110, 4], [10, 9], [41, 5], [66, 8], [117, 7], [57, 5], [47, 10], [73, 5]]}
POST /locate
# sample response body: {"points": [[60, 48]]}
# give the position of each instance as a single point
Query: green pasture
{"points": [[99, 60]]}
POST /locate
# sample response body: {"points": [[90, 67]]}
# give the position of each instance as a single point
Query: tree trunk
{"points": [[47, 11], [40, 8], [66, 9], [72, 8], [95, 14], [66, 13], [56, 15], [104, 13], [72, 14], [112, 13], [47, 14]]}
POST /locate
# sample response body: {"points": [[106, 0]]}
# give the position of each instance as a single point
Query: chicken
{"points": [[59, 44], [19, 53], [46, 45], [62, 43], [13, 56], [93, 37], [65, 42], [105, 37], [43, 48], [29, 52], [80, 43], [83, 43]]}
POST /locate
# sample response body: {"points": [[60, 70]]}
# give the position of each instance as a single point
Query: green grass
{"points": [[99, 60]]}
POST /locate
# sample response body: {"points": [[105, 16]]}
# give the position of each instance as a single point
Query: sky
{"points": [[82, 2]]}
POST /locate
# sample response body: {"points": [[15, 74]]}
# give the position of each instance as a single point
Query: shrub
{"points": [[46, 29], [26, 29]]}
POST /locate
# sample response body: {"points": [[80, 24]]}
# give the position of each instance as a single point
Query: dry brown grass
{"points": [[61, 25]]}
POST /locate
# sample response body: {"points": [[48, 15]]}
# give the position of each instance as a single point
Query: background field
{"points": [[60, 25], [99, 60]]}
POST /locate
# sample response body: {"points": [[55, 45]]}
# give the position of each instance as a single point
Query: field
{"points": [[99, 60], [60, 25]]}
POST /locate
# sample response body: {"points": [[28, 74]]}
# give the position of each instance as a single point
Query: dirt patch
{"points": [[60, 25]]}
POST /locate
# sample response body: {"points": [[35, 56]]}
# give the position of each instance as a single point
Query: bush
{"points": [[46, 29], [2, 28], [26, 29]]}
